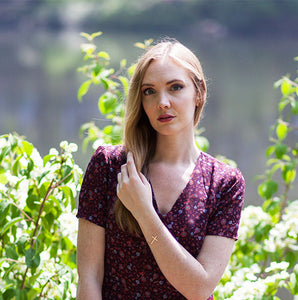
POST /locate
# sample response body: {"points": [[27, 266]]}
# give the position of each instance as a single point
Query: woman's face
{"points": [[169, 98]]}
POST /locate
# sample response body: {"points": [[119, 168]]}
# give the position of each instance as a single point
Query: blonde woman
{"points": [[158, 218]]}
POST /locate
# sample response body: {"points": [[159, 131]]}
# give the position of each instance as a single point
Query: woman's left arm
{"points": [[194, 278]]}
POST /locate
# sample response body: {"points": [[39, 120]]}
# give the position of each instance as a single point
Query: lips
{"points": [[165, 118]]}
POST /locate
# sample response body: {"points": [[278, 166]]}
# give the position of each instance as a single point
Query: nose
{"points": [[164, 101]]}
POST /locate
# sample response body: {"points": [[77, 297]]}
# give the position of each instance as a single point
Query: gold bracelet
{"points": [[154, 239]]}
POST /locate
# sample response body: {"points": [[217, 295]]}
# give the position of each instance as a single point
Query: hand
{"points": [[133, 189]]}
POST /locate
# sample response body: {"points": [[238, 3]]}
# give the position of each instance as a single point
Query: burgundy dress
{"points": [[210, 204]]}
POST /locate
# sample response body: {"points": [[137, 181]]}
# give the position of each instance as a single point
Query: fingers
{"points": [[128, 171], [143, 178], [131, 167]]}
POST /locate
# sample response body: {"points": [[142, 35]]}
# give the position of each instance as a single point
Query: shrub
{"points": [[37, 224]]}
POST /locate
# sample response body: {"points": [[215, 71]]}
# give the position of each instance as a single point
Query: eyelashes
{"points": [[173, 88]]}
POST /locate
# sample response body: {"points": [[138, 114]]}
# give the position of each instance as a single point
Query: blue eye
{"points": [[148, 91], [176, 87]]}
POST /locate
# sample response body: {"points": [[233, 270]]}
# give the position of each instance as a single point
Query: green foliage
{"points": [[37, 224], [265, 257], [38, 227]]}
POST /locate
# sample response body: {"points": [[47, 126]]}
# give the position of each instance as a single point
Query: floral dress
{"points": [[210, 204]]}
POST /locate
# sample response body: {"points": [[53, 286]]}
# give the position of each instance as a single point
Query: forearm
{"points": [[89, 289], [180, 268]]}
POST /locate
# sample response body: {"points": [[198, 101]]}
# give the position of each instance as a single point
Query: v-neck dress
{"points": [[210, 204]]}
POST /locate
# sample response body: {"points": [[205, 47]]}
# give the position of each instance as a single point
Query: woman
{"points": [[158, 217]]}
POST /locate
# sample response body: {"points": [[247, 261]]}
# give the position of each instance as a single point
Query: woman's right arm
{"points": [[90, 260]]}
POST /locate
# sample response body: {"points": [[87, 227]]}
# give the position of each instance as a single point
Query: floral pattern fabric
{"points": [[210, 204]]}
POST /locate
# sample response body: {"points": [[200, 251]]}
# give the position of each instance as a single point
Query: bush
{"points": [[38, 248], [37, 224], [265, 258]]}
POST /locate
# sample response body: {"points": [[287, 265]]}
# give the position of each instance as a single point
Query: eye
{"points": [[148, 91], [176, 87]]}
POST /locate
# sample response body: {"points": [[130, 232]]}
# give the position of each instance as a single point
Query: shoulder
{"points": [[109, 154], [219, 172]]}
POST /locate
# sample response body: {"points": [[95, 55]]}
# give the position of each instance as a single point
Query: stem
{"points": [[29, 218], [288, 124], [44, 286], [50, 189], [284, 201]]}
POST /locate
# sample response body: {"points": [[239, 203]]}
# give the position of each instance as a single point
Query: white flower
{"points": [[69, 226], [53, 151], [274, 266]]}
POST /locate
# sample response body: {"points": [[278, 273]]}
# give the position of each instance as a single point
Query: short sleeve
{"points": [[229, 197], [92, 202]]}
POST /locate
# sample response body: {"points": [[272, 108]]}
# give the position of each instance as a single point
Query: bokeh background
{"points": [[244, 46]]}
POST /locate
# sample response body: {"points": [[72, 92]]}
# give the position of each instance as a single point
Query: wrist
{"points": [[143, 216]]}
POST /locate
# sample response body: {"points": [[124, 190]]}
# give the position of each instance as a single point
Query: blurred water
{"points": [[39, 82]]}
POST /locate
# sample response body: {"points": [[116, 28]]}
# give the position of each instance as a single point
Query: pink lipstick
{"points": [[165, 118]]}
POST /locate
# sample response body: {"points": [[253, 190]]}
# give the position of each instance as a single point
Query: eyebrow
{"points": [[169, 82]]}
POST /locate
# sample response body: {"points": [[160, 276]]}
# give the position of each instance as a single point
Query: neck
{"points": [[171, 150]]}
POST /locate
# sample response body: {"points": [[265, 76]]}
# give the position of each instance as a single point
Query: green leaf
{"points": [[104, 83], [286, 87], [268, 188], [10, 252], [85, 35], [202, 143], [3, 178], [21, 244], [123, 63], [28, 148], [294, 105], [288, 173], [106, 103], [281, 131], [9, 224], [131, 70], [83, 89], [96, 69], [4, 151], [103, 54], [96, 34], [282, 105], [108, 129], [32, 259], [9, 294], [33, 202], [4, 210], [125, 84], [280, 150], [140, 45], [47, 158], [116, 134], [54, 249], [66, 170], [292, 258]]}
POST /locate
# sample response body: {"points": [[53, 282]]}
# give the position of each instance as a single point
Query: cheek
{"points": [[146, 108]]}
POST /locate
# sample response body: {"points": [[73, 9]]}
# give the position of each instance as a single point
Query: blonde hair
{"points": [[139, 136]]}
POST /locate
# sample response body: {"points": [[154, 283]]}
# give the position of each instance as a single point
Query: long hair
{"points": [[139, 136]]}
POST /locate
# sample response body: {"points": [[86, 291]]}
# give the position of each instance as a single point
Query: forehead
{"points": [[165, 68]]}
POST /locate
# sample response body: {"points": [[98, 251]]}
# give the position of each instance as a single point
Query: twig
{"points": [[29, 218]]}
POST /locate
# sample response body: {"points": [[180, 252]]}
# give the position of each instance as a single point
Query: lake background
{"points": [[39, 81]]}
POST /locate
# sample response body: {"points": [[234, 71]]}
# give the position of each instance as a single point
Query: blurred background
{"points": [[244, 46]]}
